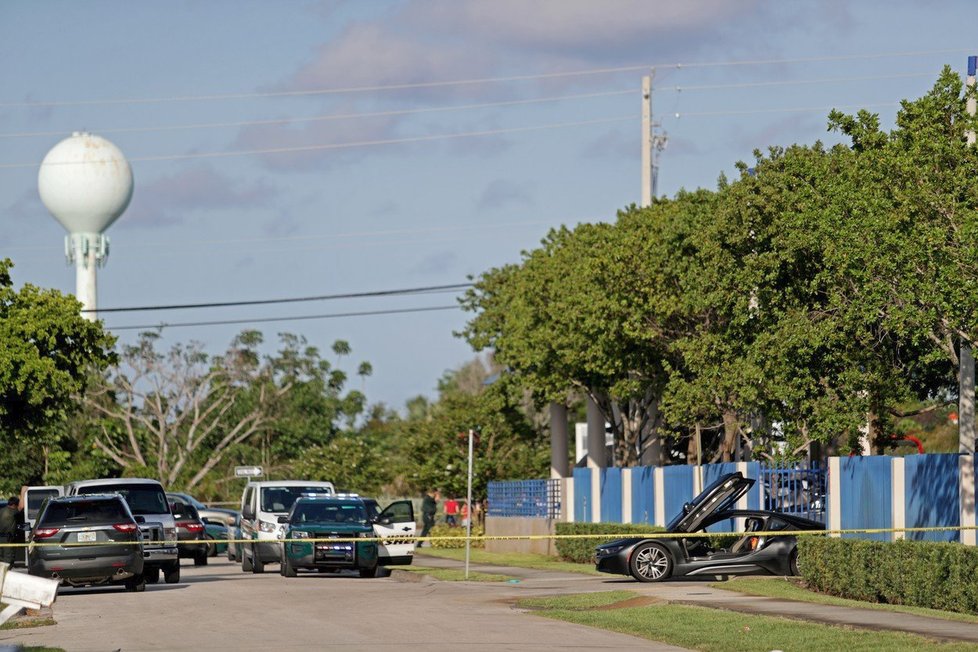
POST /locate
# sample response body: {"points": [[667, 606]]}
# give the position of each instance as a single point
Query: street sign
{"points": [[248, 471]]}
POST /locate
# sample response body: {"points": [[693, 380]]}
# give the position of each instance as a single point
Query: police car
{"points": [[322, 533]]}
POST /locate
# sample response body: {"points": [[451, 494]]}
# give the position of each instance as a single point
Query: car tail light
{"points": [[45, 532], [125, 527], [191, 526]]}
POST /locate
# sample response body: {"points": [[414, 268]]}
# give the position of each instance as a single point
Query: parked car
{"points": [[328, 518], [216, 533], [395, 524], [145, 498], [262, 503], [655, 559], [191, 542], [66, 526], [205, 512]]}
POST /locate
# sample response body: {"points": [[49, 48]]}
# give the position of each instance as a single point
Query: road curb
{"points": [[409, 576]]}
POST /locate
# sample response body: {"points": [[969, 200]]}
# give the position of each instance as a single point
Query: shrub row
{"points": [[915, 573], [445, 531], [582, 550]]}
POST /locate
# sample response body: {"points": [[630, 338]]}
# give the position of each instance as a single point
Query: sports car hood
{"points": [[719, 496]]}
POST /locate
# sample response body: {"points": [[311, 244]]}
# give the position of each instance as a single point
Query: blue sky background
{"points": [[418, 213]]}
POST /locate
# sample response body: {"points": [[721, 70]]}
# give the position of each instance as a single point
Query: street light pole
{"points": [[471, 511]]}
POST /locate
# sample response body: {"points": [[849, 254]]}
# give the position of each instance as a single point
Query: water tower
{"points": [[86, 184]]}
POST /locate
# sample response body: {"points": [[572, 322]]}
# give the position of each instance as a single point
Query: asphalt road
{"points": [[218, 607]]}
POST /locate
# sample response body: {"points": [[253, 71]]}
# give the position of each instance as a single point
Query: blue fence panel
{"points": [[678, 487], [611, 495], [529, 498], [866, 490], [643, 494], [932, 489], [794, 488], [582, 495], [755, 499]]}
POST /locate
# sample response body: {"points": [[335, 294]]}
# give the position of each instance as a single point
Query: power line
{"points": [[459, 107], [330, 146], [259, 302], [332, 116], [335, 315], [479, 80], [795, 109]]}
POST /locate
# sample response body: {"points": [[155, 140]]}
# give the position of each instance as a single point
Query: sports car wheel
{"points": [[650, 563], [793, 562]]}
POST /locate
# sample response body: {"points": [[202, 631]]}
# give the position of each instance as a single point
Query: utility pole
{"points": [[966, 374], [471, 511], [652, 144]]}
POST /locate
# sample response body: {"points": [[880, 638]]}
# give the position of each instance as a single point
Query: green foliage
{"points": [[582, 550], [446, 531], [913, 573], [47, 353]]}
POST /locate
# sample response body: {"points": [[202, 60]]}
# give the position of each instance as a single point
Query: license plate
{"points": [[86, 537]]}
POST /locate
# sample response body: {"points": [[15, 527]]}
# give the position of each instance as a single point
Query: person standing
{"points": [[8, 529], [429, 507], [451, 512]]}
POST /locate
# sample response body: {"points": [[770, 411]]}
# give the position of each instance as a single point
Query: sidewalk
{"points": [[699, 593]]}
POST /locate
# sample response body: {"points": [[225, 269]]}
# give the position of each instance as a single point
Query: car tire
{"points": [[650, 562], [245, 562], [211, 546], [171, 575], [151, 575], [369, 572], [201, 559], [793, 563], [136, 583], [288, 570], [257, 565]]}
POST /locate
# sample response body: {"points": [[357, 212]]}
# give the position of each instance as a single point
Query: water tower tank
{"points": [[86, 183]]}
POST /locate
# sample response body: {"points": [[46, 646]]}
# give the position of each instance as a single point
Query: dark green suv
{"points": [[320, 520]]}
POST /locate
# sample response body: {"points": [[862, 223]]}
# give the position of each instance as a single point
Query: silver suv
{"points": [[147, 501]]}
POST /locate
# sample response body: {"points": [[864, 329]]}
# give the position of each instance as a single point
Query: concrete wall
{"points": [[520, 526]]}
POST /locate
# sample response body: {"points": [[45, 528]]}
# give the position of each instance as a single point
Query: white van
{"points": [[262, 503]]}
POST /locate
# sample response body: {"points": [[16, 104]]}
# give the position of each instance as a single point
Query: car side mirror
{"points": [[283, 519], [140, 519], [248, 512]]}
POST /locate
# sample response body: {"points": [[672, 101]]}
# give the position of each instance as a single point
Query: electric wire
{"points": [[481, 80], [788, 109], [262, 320], [350, 145], [460, 107], [262, 302], [333, 116]]}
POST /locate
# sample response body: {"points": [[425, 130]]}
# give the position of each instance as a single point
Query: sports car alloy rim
{"points": [[651, 563]]}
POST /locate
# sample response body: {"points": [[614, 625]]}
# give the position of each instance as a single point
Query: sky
{"points": [[301, 148]]}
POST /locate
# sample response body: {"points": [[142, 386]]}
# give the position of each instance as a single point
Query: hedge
{"points": [[445, 531], [914, 573], [582, 550]]}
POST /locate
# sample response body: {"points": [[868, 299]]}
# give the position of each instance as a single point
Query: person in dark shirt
{"points": [[429, 507], [9, 519]]}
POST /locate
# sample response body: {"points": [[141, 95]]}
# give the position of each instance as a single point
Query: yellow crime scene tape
{"points": [[510, 537]]}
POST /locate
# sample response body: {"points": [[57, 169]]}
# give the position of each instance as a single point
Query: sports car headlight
{"points": [[609, 550], [299, 534]]}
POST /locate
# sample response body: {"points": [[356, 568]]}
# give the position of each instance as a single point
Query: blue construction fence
{"points": [[872, 492]]}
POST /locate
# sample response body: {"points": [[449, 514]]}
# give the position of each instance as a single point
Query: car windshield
{"points": [[142, 498], [316, 512], [188, 499], [87, 512], [281, 499]]}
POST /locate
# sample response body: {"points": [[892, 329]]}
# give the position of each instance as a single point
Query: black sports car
{"points": [[655, 559]]}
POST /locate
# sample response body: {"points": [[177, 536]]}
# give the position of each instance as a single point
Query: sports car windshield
{"points": [[717, 497]]}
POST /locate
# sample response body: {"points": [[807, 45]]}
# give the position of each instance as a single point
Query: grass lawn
{"points": [[521, 560], [716, 630], [788, 589], [23, 622], [455, 575]]}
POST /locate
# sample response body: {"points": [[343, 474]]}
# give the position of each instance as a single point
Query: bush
{"points": [[445, 531], [582, 550], [914, 573]]}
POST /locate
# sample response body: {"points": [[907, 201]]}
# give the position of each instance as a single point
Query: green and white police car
{"points": [[321, 519]]}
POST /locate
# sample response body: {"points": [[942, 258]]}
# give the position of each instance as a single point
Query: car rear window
{"points": [[142, 498], [88, 512], [182, 511]]}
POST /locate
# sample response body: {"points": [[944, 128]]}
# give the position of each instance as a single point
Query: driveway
{"points": [[218, 607]]}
